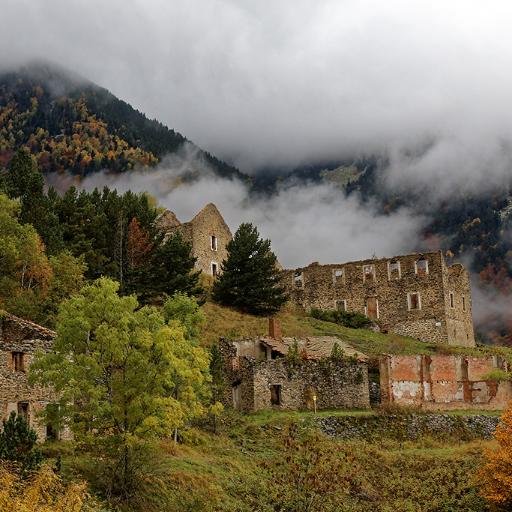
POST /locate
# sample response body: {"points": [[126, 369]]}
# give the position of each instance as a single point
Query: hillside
{"points": [[71, 124], [221, 321]]}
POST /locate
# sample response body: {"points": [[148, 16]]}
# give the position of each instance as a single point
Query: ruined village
{"points": [[415, 295]]}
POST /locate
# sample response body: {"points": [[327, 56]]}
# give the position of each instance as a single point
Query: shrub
{"points": [[346, 318]]}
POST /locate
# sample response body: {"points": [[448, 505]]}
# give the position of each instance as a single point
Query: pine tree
{"points": [[250, 279], [18, 443]]}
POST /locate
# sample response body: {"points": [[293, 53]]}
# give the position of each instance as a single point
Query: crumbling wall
{"points": [[443, 381], [25, 338], [401, 294]]}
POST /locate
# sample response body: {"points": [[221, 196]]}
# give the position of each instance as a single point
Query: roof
{"points": [[315, 347], [33, 330]]}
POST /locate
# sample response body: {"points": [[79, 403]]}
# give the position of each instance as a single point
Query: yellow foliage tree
{"points": [[496, 475], [43, 492]]}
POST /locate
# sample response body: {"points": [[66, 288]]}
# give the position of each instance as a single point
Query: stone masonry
{"points": [[415, 295], [258, 375], [19, 341], [444, 381], [208, 234]]}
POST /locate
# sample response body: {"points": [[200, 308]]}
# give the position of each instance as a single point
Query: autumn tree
{"points": [[139, 244], [496, 474], [125, 376], [250, 280], [25, 272]]}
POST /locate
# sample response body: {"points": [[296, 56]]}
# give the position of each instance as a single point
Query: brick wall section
{"points": [[336, 384], [443, 382], [17, 335], [207, 223], [329, 286]]}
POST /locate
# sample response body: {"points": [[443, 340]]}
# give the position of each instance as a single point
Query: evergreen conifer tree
{"points": [[18, 443], [250, 279]]}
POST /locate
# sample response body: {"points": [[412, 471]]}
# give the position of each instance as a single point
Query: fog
{"points": [[425, 83]]}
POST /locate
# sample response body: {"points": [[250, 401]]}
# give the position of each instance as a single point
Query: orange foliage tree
{"points": [[496, 474]]}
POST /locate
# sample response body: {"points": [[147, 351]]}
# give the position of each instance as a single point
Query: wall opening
{"points": [[421, 267], [413, 301], [23, 410], [275, 394], [18, 361], [298, 279], [213, 242], [372, 308], [463, 303], [368, 273], [338, 276], [394, 271], [215, 269], [452, 301], [236, 391], [341, 305]]}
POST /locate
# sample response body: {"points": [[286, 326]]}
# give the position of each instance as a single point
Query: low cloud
{"points": [[314, 222]]}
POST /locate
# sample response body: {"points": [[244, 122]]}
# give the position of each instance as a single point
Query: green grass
{"points": [[221, 321]]}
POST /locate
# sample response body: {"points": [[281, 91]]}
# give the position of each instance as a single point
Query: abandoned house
{"points": [[19, 340], [444, 381], [415, 295], [261, 373], [208, 234]]}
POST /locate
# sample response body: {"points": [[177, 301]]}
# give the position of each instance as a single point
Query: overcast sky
{"points": [[285, 82]]}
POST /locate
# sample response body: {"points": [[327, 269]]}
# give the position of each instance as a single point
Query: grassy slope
{"points": [[222, 321], [232, 470]]}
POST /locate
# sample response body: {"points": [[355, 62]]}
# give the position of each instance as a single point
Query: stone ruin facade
{"points": [[207, 233], [415, 295], [19, 341], [258, 374], [444, 381]]}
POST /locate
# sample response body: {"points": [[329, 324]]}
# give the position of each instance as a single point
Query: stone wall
{"points": [[405, 294], [249, 382], [443, 382], [410, 426], [22, 339], [199, 231]]}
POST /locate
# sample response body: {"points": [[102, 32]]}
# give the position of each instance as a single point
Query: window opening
{"points": [[275, 394], [394, 270], [414, 301], [422, 267], [18, 361], [368, 273], [298, 280], [452, 302], [213, 241], [215, 270], [341, 305], [337, 275], [23, 410]]}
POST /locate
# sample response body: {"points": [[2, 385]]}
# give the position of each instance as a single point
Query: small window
{"points": [[394, 271], [18, 361], [298, 279], [421, 266], [452, 301], [368, 273], [215, 269], [341, 305], [413, 301], [275, 394], [23, 410], [338, 275], [213, 241], [463, 303]]}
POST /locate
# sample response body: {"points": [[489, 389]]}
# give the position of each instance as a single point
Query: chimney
{"points": [[274, 328]]}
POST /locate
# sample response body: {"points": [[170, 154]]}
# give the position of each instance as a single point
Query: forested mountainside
{"points": [[71, 124]]}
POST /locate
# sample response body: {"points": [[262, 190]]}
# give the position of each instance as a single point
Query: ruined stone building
{"points": [[208, 234], [260, 374], [415, 295], [19, 341], [444, 381]]}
